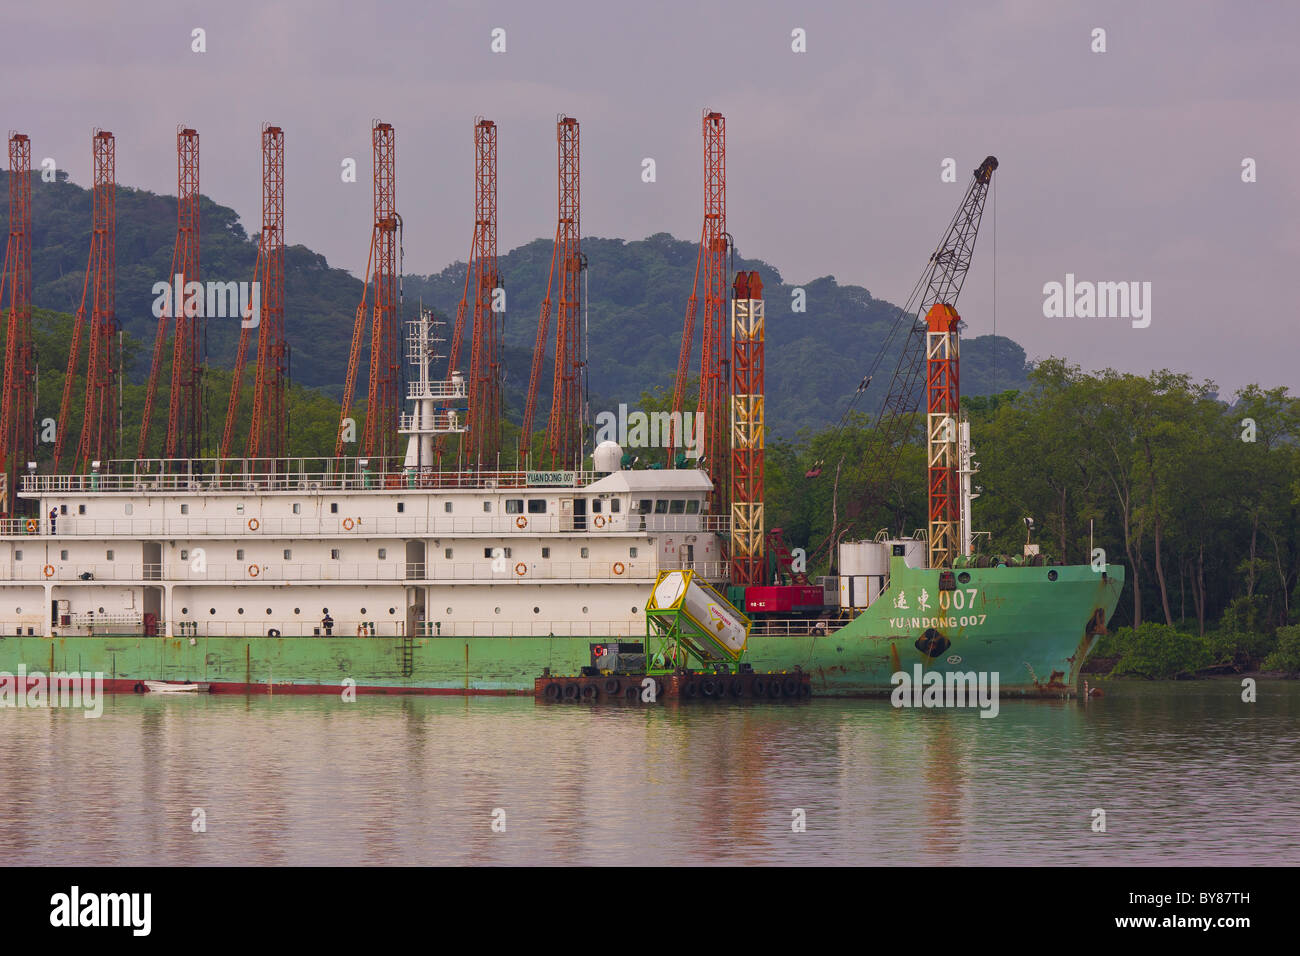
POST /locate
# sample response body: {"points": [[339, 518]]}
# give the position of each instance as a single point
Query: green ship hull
{"points": [[1032, 626]]}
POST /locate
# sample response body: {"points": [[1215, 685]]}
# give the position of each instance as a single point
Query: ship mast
{"points": [[433, 400]]}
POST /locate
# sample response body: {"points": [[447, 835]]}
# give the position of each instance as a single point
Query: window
{"points": [[334, 507], [583, 553], [288, 553], [185, 555], [514, 506], [18, 555], [401, 507], [537, 506], [595, 506], [614, 506], [239, 554], [677, 507], [334, 554], [185, 509], [63, 509], [631, 552], [492, 552], [693, 507], [446, 553], [108, 555], [81, 509], [297, 508], [383, 554], [661, 506], [643, 506], [63, 555], [239, 509], [128, 508], [446, 506], [546, 552], [487, 506]]}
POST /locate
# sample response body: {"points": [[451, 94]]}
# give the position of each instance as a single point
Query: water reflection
{"points": [[1187, 774]]}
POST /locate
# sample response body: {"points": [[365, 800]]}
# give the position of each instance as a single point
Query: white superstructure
{"points": [[194, 548]]}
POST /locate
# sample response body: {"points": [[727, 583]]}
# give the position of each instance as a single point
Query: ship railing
{"points": [[199, 569], [285, 475], [542, 629], [306, 627], [793, 627], [508, 569], [357, 526]]}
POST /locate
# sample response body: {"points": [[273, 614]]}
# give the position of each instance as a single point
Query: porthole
{"points": [[268, 610], [964, 577], [633, 610], [537, 610], [297, 611], [584, 610], [448, 610], [392, 610], [363, 610], [1051, 575], [185, 610], [241, 610], [212, 610], [101, 610], [496, 610], [18, 610]]}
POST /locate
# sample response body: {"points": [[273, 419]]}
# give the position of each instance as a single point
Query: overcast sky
{"points": [[1117, 166]]}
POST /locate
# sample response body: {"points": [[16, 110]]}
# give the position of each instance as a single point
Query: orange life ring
{"points": [[254, 570], [618, 567], [521, 569], [521, 522], [49, 570], [348, 524], [600, 521], [253, 524], [32, 526]]}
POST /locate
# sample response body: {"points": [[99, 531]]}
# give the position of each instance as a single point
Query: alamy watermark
{"points": [[36, 690], [684, 430], [209, 300], [1100, 300], [950, 689]]}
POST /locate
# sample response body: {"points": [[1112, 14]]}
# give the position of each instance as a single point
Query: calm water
{"points": [[1187, 773]]}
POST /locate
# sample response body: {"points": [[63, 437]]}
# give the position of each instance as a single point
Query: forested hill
{"points": [[637, 298]]}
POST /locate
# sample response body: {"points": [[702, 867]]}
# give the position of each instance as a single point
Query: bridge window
{"points": [[693, 507], [677, 507], [661, 506]]}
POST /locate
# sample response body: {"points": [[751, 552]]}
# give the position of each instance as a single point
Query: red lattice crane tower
{"points": [[483, 441], [17, 419], [942, 405], [747, 423], [184, 407], [98, 440], [383, 398], [711, 263], [564, 430], [268, 431]]}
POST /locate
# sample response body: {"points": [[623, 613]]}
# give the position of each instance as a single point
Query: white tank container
{"points": [[863, 568]]}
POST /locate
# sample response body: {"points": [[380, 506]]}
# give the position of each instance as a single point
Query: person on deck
{"points": [[54, 517], [327, 622]]}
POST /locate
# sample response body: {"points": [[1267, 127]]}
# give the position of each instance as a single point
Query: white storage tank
{"points": [[863, 568]]}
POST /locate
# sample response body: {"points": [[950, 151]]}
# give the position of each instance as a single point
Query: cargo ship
{"points": [[301, 576]]}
